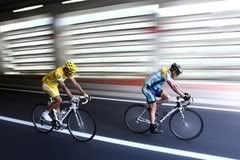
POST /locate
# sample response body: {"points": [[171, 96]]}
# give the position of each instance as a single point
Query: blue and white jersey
{"points": [[157, 79]]}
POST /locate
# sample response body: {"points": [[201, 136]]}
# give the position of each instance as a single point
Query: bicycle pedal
{"points": [[63, 125], [42, 119]]}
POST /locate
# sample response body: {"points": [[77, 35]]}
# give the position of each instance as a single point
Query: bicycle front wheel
{"points": [[39, 123], [186, 126], [81, 125], [136, 118]]}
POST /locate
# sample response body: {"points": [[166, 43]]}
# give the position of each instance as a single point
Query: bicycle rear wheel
{"points": [[40, 124], [187, 128], [136, 118], [81, 125]]}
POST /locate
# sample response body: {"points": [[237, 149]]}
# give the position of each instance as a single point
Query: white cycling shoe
{"points": [[46, 116]]}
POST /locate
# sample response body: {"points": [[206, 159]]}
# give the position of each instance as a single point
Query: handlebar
{"points": [[84, 100], [184, 102]]}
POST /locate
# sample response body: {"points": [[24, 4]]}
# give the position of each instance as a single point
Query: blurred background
{"points": [[116, 44]]}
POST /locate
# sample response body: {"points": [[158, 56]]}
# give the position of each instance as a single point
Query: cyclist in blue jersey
{"points": [[152, 88]]}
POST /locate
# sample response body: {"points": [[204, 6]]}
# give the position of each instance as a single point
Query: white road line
{"points": [[149, 147], [131, 101]]}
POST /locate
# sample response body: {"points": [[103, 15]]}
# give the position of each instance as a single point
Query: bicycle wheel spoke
{"points": [[136, 118], [40, 124], [79, 119], [81, 125], [186, 127]]}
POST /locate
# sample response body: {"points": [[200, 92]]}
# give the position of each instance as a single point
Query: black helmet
{"points": [[177, 68]]}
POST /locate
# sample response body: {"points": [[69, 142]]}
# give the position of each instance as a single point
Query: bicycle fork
{"points": [[181, 109], [79, 119]]}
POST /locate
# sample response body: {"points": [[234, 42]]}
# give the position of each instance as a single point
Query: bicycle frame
{"points": [[73, 107], [168, 114], [178, 106], [184, 122]]}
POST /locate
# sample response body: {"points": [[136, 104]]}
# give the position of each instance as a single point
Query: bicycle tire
{"points": [[38, 122], [130, 118], [82, 134], [197, 118]]}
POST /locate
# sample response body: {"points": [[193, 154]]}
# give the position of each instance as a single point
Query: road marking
{"points": [[138, 145], [131, 101]]}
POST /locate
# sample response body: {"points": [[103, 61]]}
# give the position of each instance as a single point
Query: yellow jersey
{"points": [[52, 78]]}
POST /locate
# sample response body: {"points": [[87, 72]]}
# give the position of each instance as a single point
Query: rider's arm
{"points": [[178, 86], [175, 87], [79, 88], [66, 90]]}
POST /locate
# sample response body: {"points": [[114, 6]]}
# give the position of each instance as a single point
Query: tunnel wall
{"points": [[125, 42], [115, 47]]}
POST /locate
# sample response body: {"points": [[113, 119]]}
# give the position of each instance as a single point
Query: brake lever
{"points": [[189, 101], [87, 99], [85, 102]]}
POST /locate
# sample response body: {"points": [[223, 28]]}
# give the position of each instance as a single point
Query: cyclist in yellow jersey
{"points": [[152, 88], [50, 84]]}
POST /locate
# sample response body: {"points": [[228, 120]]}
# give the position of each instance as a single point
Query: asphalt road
{"points": [[220, 136]]}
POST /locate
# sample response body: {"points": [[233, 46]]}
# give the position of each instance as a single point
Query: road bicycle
{"points": [[80, 123], [184, 122]]}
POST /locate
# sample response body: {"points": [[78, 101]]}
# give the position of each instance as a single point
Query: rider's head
{"points": [[69, 68], [175, 70]]}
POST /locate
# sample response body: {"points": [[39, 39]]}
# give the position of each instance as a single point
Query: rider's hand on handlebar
{"points": [[187, 97], [86, 96]]}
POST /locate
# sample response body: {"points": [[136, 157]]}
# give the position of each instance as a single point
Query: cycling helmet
{"points": [[177, 68], [71, 66]]}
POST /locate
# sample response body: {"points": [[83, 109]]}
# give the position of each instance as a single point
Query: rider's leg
{"points": [[153, 106], [152, 113], [56, 107], [151, 99], [163, 98], [55, 104], [53, 93]]}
